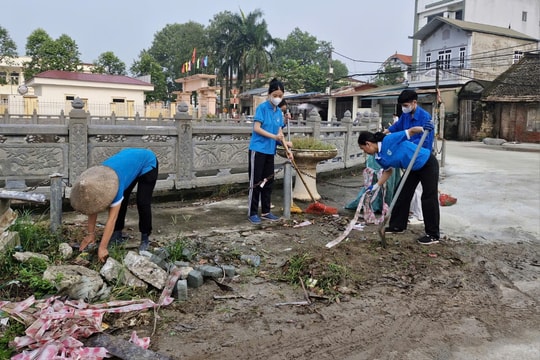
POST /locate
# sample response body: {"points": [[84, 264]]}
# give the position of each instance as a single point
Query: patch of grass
{"points": [[176, 250], [9, 334], [309, 143], [35, 235]]}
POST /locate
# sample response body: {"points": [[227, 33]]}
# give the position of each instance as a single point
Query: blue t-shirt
{"points": [[129, 164], [397, 151], [271, 119], [407, 121]]}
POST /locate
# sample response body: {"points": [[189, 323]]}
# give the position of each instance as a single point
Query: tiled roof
{"points": [[520, 83], [406, 59], [439, 21], [79, 76]]}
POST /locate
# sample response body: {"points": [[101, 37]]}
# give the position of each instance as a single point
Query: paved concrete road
{"points": [[498, 193]]}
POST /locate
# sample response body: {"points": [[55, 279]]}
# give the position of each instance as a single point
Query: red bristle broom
{"points": [[316, 207]]}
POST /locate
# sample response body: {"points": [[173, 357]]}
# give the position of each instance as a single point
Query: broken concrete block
{"points": [[184, 271], [9, 240], [27, 255], [181, 290], [113, 271], [145, 270], [211, 271], [65, 250], [229, 270], [78, 282], [195, 279]]}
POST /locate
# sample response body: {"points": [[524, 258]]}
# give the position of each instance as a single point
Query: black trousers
{"points": [[145, 188], [261, 166], [428, 176]]}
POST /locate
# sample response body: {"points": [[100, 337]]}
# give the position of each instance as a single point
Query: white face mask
{"points": [[406, 110], [276, 100]]}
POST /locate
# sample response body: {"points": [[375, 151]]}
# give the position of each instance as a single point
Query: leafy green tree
{"points": [[147, 65], [8, 48], [391, 75], [49, 54], [109, 63], [8, 51], [173, 46], [303, 63]]}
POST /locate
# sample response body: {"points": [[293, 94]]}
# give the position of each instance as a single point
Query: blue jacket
{"points": [[407, 121], [271, 119], [129, 164], [396, 151]]}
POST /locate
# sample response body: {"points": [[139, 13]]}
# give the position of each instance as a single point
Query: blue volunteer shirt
{"points": [[271, 119], [407, 121], [396, 151], [129, 164]]}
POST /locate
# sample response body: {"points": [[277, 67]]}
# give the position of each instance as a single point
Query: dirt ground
{"points": [[453, 300]]}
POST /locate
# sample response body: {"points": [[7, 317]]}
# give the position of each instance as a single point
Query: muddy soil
{"points": [[453, 300]]}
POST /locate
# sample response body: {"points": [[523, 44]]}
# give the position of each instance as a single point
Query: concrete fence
{"points": [[192, 152]]}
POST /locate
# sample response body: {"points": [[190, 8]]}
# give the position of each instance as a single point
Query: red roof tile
{"points": [[79, 76]]}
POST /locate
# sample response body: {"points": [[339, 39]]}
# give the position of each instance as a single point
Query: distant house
{"points": [[465, 50], [513, 101], [52, 91], [400, 61]]}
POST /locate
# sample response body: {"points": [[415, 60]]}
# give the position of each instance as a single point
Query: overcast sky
{"points": [[362, 30]]}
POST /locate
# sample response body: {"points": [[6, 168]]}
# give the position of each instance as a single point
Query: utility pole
{"points": [[439, 123], [330, 73]]}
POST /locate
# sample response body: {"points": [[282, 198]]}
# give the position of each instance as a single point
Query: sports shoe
{"points": [[270, 217], [393, 230], [117, 238], [428, 240], [415, 221], [145, 243], [254, 219]]}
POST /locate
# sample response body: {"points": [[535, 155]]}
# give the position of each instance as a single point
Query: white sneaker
{"points": [[414, 221]]}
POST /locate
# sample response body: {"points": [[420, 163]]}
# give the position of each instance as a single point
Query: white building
{"points": [[522, 16]]}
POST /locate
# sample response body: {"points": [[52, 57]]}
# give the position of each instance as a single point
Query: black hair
{"points": [[407, 96], [282, 103], [275, 84], [366, 136]]}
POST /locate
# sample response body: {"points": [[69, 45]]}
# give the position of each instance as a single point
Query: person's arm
{"points": [[259, 130], [90, 237], [414, 130], [103, 251], [384, 176]]}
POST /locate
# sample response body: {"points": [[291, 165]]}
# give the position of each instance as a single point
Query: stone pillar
{"points": [[56, 202], [349, 139], [287, 190], [78, 140], [184, 147], [314, 120]]}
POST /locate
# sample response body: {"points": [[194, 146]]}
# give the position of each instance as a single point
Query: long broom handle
{"points": [[299, 173]]}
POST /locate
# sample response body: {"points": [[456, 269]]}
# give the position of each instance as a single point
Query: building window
{"points": [[462, 57], [118, 100], [444, 59], [459, 15], [428, 60], [3, 78], [517, 56], [70, 97], [524, 16], [14, 78]]}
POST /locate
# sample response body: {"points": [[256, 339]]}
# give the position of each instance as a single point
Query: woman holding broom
{"points": [[267, 132], [396, 151]]}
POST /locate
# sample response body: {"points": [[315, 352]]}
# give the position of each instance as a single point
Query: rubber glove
{"points": [[428, 126], [372, 188]]}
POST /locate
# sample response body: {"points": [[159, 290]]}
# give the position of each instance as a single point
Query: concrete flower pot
{"points": [[306, 161]]}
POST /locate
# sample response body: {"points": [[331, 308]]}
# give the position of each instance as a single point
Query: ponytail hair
{"points": [[366, 136]]}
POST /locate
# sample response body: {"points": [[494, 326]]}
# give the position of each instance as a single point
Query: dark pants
{"points": [[428, 176], [145, 187], [260, 166]]}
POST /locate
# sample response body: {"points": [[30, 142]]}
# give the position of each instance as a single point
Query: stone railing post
{"points": [[314, 120], [349, 140], [56, 202], [184, 147], [78, 140]]}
